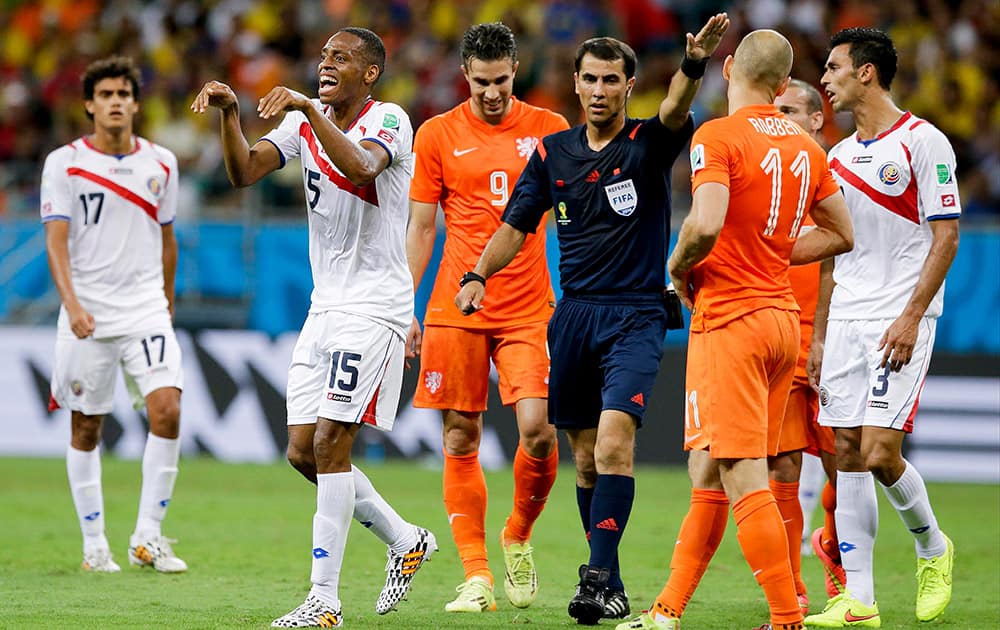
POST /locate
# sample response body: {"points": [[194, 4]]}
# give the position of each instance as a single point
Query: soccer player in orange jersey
{"points": [[755, 176], [468, 161]]}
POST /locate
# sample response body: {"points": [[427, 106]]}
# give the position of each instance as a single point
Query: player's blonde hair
{"points": [[763, 58]]}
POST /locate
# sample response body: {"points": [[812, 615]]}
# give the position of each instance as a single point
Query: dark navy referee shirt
{"points": [[612, 207]]}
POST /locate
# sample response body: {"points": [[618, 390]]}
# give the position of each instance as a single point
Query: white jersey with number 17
{"points": [[357, 234], [116, 206], [894, 185]]}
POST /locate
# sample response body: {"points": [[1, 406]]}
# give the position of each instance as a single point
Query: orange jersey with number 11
{"points": [[775, 174], [470, 168]]}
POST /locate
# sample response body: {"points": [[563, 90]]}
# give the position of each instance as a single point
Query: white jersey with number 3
{"points": [[894, 185], [116, 206], [357, 234]]}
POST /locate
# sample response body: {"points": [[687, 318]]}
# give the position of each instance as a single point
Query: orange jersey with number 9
{"points": [[775, 174], [470, 168]]}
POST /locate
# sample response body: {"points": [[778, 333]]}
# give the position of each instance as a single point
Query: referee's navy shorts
{"points": [[605, 353]]}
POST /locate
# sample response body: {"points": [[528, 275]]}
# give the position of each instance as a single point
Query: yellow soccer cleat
{"points": [[645, 621], [475, 595], [520, 581], [934, 583], [843, 611]]}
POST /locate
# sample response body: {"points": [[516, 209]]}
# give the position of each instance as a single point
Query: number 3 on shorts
{"points": [[344, 365]]}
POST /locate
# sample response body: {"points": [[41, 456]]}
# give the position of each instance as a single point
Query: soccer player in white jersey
{"points": [[898, 176], [347, 366], [108, 202]]}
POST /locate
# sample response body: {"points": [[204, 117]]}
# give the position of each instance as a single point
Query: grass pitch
{"points": [[245, 532]]}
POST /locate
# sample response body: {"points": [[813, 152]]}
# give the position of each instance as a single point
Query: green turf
{"points": [[245, 532]]}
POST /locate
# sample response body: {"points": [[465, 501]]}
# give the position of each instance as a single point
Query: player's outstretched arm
{"points": [[698, 234], [244, 165], [503, 246], [833, 234], [57, 247], [685, 82], [814, 364]]}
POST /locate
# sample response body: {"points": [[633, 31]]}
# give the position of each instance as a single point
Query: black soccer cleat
{"points": [[616, 605], [587, 605]]}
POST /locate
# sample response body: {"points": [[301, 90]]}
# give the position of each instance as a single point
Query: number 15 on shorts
{"points": [[343, 375]]}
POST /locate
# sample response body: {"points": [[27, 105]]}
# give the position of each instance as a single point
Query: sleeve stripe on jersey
{"points": [[939, 217], [381, 144], [281, 156], [165, 168], [904, 205], [118, 189], [367, 193], [63, 217]]}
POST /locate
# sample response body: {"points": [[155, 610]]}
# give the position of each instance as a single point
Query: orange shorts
{"points": [[455, 366], [738, 378], [802, 422]]}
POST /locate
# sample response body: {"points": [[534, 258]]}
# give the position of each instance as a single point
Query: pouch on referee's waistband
{"points": [[675, 316]]}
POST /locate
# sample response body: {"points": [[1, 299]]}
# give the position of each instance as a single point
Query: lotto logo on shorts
{"points": [[338, 397], [878, 404]]}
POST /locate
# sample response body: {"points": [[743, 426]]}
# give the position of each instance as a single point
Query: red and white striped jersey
{"points": [[357, 234], [894, 185], [116, 205]]}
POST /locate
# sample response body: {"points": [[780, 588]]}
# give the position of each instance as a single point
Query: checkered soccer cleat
{"points": [[155, 552], [312, 613], [400, 569], [99, 561]]}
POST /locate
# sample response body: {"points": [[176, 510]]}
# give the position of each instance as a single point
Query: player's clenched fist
{"points": [[281, 99], [214, 94]]}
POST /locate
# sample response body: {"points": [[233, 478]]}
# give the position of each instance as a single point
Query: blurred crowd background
{"points": [[948, 72]]}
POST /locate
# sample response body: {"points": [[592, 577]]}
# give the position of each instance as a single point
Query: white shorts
{"points": [[83, 373], [854, 391], [346, 368]]}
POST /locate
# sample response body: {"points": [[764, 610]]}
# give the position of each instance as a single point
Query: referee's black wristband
{"points": [[471, 276], [693, 69]]}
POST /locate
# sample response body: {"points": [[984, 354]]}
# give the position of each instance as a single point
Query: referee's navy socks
{"points": [[609, 511]]}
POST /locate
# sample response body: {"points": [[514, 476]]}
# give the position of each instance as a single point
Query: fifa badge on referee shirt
{"points": [[562, 219]]}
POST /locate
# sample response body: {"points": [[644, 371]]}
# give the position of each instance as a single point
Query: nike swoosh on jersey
{"points": [[458, 153]]}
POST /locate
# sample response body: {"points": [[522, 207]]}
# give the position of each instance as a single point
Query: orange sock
{"points": [[829, 536], [699, 537], [786, 495], [533, 479], [765, 546], [465, 502]]}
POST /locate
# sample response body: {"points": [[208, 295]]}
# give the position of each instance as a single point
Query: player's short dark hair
{"points": [[869, 45], [492, 41], [111, 68], [608, 49], [372, 46], [814, 102]]}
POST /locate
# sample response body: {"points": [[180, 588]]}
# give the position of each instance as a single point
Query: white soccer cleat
{"points": [[400, 569], [155, 552], [99, 561], [312, 613]]}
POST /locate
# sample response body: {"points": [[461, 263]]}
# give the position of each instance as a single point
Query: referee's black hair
{"points": [[608, 49], [869, 45], [493, 41]]}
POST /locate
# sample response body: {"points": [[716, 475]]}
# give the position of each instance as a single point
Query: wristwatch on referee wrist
{"points": [[471, 276]]}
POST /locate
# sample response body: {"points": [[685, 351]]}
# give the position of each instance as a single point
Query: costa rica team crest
{"points": [[155, 186], [889, 173]]}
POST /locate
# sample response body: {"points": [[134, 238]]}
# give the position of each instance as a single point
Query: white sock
{"points": [[84, 471], [372, 511], [811, 482], [909, 496], [334, 507], [159, 472], [857, 524]]}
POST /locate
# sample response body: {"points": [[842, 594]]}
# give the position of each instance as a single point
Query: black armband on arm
{"points": [[471, 276], [692, 69]]}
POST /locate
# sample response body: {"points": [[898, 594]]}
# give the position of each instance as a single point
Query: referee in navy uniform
{"points": [[609, 184]]}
